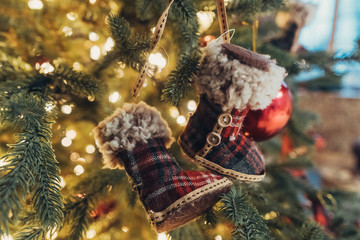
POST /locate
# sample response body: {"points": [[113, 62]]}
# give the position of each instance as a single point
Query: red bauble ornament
{"points": [[206, 39], [261, 125]]}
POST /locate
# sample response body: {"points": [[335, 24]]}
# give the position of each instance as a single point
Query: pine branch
{"points": [[89, 190], [247, 221], [179, 82], [311, 231], [30, 233], [30, 162]]}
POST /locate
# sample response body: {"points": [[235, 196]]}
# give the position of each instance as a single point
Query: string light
{"points": [[93, 36], [125, 229], [158, 60], [95, 52], [206, 18], [49, 106], [78, 170], [174, 112], [71, 16], [6, 237], [35, 4], [191, 105], [92, 1], [90, 148], [114, 97], [66, 142], [77, 66], [109, 44], [163, 236], [67, 31], [71, 134], [90, 233], [46, 68], [218, 237], [181, 120], [74, 156], [62, 182], [91, 98], [270, 215], [67, 109]]}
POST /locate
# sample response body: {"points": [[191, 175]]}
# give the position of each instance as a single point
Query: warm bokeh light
{"points": [[6, 237], [66, 142], [78, 170], [109, 44], [163, 236], [205, 18], [72, 16], [66, 109], [62, 182], [90, 233], [181, 120], [46, 68], [125, 229], [77, 66], [95, 52], [218, 237], [114, 97], [174, 112], [191, 105], [90, 148], [35, 4], [49, 106], [67, 31], [158, 60], [93, 36], [71, 134]]}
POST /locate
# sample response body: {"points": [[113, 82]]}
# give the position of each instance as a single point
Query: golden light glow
{"points": [[114, 97], [174, 112], [90, 148], [67, 109], [77, 66], [218, 237], [158, 60], [205, 18], [62, 182], [95, 52], [67, 31], [125, 229], [49, 106], [35, 4], [93, 36], [71, 134], [92, 1], [191, 105], [66, 142], [51, 235], [46, 68], [181, 120], [109, 44], [90, 233], [72, 16], [6, 237], [74, 156], [163, 236], [78, 170], [270, 215]]}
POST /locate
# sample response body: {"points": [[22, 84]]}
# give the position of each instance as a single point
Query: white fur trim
{"points": [[126, 127], [235, 85]]}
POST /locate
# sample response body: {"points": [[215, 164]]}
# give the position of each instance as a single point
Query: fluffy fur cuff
{"points": [[237, 78], [127, 126]]}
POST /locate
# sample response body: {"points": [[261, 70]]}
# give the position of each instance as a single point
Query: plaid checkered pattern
{"points": [[235, 152], [158, 178]]}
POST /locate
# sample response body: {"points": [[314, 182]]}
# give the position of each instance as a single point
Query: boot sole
{"points": [[243, 177], [190, 206]]}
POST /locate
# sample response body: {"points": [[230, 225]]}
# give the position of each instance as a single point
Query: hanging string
{"points": [[232, 31], [223, 22], [159, 30], [255, 30]]}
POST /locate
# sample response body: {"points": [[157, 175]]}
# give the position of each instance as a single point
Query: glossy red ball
{"points": [[204, 41], [262, 125]]}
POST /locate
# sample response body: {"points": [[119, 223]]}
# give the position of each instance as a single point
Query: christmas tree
{"points": [[67, 65]]}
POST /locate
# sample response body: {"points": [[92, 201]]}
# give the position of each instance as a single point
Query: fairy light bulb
{"points": [[163, 236], [90, 149], [71, 16], [205, 18], [6, 237], [93, 36], [114, 97], [71, 134], [35, 5], [66, 142], [77, 66], [46, 68], [95, 52], [92, 1], [181, 120], [191, 105], [78, 170], [109, 44], [91, 233], [67, 31], [62, 182], [51, 235], [174, 112], [218, 237], [67, 109], [158, 60], [49, 106], [125, 229]]}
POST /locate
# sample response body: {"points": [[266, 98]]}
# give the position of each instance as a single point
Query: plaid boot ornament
{"points": [[136, 138], [231, 81]]}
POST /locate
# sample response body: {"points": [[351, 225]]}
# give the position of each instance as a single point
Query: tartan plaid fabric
{"points": [[158, 178], [235, 152]]}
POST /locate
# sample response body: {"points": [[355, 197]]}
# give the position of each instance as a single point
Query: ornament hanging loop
{"points": [[231, 32], [223, 22]]}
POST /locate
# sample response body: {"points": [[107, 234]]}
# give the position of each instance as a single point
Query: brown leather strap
{"points": [[159, 30], [224, 28]]}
